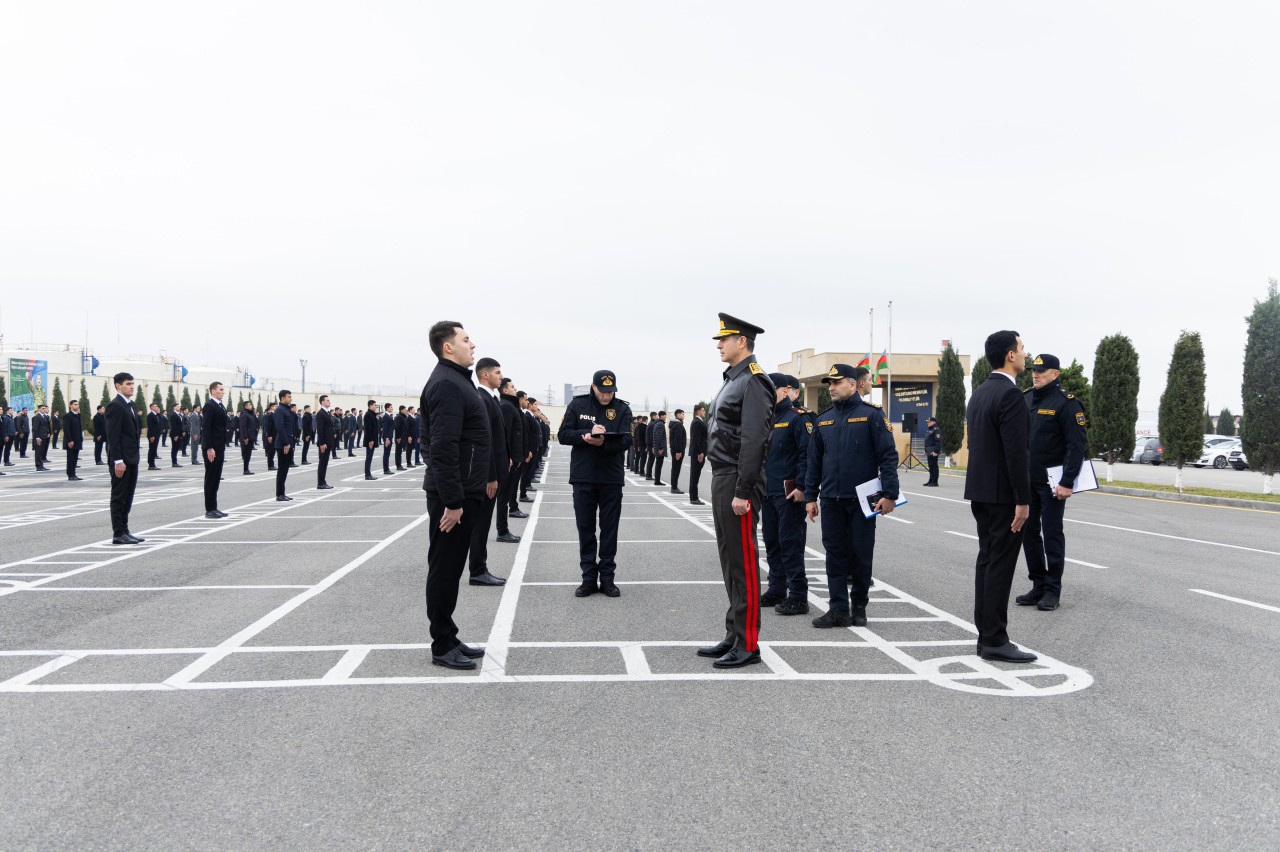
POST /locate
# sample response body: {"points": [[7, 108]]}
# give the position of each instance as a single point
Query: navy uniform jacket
{"points": [[72, 430], [678, 442], [998, 470], [602, 465], [1058, 433], [788, 449], [10, 429], [852, 444], [933, 440], [285, 432], [122, 432]]}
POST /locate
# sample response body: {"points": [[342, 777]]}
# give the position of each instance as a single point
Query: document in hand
{"points": [[870, 493], [1086, 481]]}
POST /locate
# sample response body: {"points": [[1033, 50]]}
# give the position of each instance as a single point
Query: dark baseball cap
{"points": [[1046, 362], [779, 380], [605, 381], [844, 371]]}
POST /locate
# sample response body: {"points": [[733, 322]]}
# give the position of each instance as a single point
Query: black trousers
{"points": [[1043, 541], [597, 560], [783, 525], [22, 444], [368, 461], [282, 471], [933, 469], [849, 538], [998, 547], [657, 467], [153, 452], [739, 561], [325, 455], [270, 451], [386, 459], [42, 453], [195, 451], [246, 452], [73, 455], [98, 447], [648, 464], [399, 453], [306, 445], [122, 488], [695, 473], [676, 463], [6, 448], [505, 499], [446, 559], [174, 447], [213, 478], [526, 477], [479, 561], [417, 452], [514, 477]]}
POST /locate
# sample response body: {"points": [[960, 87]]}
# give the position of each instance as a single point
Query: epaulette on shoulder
{"points": [[583, 396], [824, 411], [623, 401], [1071, 396]]}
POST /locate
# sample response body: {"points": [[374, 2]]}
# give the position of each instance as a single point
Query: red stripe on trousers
{"points": [[753, 588]]}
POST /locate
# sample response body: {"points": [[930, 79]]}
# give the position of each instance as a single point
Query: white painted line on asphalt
{"points": [[1175, 537], [346, 666], [220, 543], [495, 654], [343, 517], [1236, 600], [211, 659], [38, 672], [638, 541], [962, 535], [637, 665], [1087, 564], [897, 519], [152, 588]]}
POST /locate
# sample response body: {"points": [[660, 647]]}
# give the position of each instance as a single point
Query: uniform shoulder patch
{"points": [[756, 369], [1080, 418], [888, 425], [872, 404], [808, 426]]}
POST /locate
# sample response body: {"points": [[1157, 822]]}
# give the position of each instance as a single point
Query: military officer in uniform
{"points": [[782, 512], [1058, 438], [932, 449], [597, 425], [852, 444], [739, 426]]}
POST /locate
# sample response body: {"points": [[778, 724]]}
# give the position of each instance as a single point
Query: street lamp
{"points": [[303, 362]]}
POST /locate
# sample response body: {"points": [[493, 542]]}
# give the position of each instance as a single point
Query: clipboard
{"points": [[869, 493], [1086, 481]]}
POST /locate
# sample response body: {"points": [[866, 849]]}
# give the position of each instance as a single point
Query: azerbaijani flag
{"points": [[865, 362], [882, 365]]}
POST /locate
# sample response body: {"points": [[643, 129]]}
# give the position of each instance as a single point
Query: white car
{"points": [[1217, 454], [1237, 459]]}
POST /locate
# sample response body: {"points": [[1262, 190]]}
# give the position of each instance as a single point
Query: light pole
{"points": [[303, 362]]}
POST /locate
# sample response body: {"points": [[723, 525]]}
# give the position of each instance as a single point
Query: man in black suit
{"points": [[41, 430], [388, 433], [370, 438], [532, 440], [997, 485], [513, 427], [72, 438], [327, 438], [122, 450], [401, 427], [56, 420], [697, 451], [489, 375], [175, 434], [658, 445], [284, 434], [352, 422], [155, 429], [268, 435], [247, 426], [8, 433], [213, 431], [99, 434], [308, 431], [413, 449], [679, 443], [22, 423]]}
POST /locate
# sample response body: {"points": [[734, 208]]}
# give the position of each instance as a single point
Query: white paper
{"points": [[868, 488], [1086, 481]]}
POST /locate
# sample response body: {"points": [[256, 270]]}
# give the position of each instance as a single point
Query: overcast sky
{"points": [[585, 185]]}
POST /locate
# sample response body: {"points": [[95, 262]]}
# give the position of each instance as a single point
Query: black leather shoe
{"points": [[455, 659], [487, 579], [213, 516], [175, 465], [1031, 598], [283, 498], [586, 590], [74, 479], [388, 473], [609, 589], [531, 488], [716, 650], [526, 499], [697, 502], [859, 616], [325, 487], [832, 618], [398, 467], [247, 473], [508, 538], [737, 658], [371, 479], [1008, 652], [517, 514], [771, 599], [792, 606], [676, 491], [133, 539], [1048, 603], [470, 651], [123, 539], [153, 467]]}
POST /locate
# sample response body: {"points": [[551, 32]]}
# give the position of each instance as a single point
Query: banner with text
{"points": [[28, 383]]}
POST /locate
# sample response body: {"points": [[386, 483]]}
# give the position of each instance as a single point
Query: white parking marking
{"points": [[1236, 600]]}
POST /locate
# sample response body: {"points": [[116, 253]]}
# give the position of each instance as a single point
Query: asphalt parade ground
{"points": [[265, 681]]}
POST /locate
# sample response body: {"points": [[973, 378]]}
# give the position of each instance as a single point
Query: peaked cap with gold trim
{"points": [[730, 326]]}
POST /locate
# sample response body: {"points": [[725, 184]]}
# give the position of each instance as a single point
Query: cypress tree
{"points": [[1112, 428], [1074, 381], [240, 401], [140, 398], [4, 393], [106, 394], [949, 408], [1260, 388], [156, 399], [59, 405], [196, 403], [259, 404], [981, 369], [1208, 420], [186, 397], [86, 413], [1226, 423], [170, 400], [1181, 404]]}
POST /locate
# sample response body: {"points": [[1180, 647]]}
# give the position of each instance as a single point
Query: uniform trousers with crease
{"points": [[739, 560], [998, 548]]}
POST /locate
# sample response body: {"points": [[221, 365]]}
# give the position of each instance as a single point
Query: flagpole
{"points": [[888, 387], [871, 335]]}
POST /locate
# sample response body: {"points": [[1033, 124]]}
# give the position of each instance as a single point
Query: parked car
{"points": [[1148, 451], [1217, 455], [1237, 459], [1214, 440]]}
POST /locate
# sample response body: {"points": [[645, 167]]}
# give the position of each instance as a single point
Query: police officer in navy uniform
{"points": [[852, 444], [597, 425], [932, 449], [739, 427], [782, 512], [1058, 438]]}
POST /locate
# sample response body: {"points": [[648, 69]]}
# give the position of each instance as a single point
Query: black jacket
{"points": [[213, 425], [1058, 433], [41, 428], [642, 437], [122, 432], [370, 427], [657, 437], [72, 429], [852, 444], [176, 427], [601, 465], [739, 424], [532, 434], [326, 434], [284, 430], [402, 427], [697, 436], [100, 426], [999, 465], [248, 428], [677, 436], [497, 436], [513, 428], [309, 423], [456, 424], [933, 440]]}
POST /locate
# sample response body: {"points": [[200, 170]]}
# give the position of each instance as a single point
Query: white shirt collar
{"points": [[1007, 376]]}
